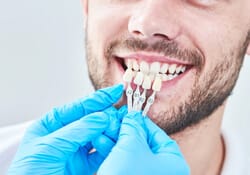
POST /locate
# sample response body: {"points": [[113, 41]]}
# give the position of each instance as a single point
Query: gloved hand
{"points": [[143, 148], [60, 142]]}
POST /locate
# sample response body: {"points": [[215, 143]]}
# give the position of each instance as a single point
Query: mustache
{"points": [[167, 48]]}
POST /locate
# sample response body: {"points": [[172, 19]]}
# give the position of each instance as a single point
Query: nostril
{"points": [[162, 36]]}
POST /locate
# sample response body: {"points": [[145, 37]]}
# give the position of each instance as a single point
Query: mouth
{"points": [[146, 75], [168, 70]]}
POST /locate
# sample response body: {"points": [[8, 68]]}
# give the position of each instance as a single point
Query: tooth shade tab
{"points": [[155, 67], [128, 75], [146, 82], [157, 84], [144, 67], [139, 78]]}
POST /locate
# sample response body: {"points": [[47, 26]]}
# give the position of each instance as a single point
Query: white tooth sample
{"points": [[152, 76], [164, 68], [155, 67], [178, 69], [138, 81], [135, 65], [128, 75], [150, 101], [146, 82], [164, 77], [129, 94], [172, 68], [144, 67], [157, 84], [139, 78], [183, 69]]}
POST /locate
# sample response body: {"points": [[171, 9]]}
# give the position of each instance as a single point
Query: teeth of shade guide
{"points": [[155, 67], [157, 84], [146, 82], [135, 65], [128, 75], [172, 68], [138, 78], [144, 67]]}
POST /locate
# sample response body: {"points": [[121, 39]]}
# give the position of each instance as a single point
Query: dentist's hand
{"points": [[143, 149], [60, 142]]}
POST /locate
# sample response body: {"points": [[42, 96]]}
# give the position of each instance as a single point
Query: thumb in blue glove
{"points": [[59, 143], [143, 148]]}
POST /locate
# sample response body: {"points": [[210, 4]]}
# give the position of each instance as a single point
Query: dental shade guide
{"points": [[156, 88], [127, 77], [138, 81], [147, 77]]}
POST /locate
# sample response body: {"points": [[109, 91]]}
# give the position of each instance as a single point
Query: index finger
{"points": [[62, 116]]}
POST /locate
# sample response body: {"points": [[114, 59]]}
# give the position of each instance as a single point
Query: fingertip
{"points": [[114, 92]]}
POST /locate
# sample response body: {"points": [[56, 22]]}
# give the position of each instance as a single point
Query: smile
{"points": [[149, 74]]}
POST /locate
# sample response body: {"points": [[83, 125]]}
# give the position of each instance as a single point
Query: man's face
{"points": [[208, 37]]}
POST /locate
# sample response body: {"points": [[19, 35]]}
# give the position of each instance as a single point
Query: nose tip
{"points": [[152, 21]]}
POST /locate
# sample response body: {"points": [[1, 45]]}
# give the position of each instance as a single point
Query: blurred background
{"points": [[42, 62]]}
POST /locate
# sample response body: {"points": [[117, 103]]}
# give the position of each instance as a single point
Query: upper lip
{"points": [[152, 57]]}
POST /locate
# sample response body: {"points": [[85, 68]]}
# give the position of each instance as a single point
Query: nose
{"points": [[154, 19]]}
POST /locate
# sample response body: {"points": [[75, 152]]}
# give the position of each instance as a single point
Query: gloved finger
{"points": [[123, 111], [60, 117], [67, 140], [105, 142], [132, 132], [103, 145], [95, 160], [158, 140]]}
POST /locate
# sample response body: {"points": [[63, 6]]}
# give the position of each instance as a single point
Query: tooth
{"points": [[183, 69], [135, 65], [164, 77], [170, 77], [164, 68], [129, 63], [178, 69], [172, 68], [144, 67], [139, 78], [146, 82], [155, 67], [128, 75], [157, 84]]}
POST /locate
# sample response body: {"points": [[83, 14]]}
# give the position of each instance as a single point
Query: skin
{"points": [[216, 32]]}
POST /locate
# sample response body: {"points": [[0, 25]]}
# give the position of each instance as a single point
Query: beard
{"points": [[210, 88]]}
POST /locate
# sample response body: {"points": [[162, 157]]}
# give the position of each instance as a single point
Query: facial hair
{"points": [[210, 88]]}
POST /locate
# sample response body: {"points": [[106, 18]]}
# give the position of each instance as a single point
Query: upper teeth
{"points": [[166, 71]]}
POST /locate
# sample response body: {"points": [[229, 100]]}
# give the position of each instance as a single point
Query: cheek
{"points": [[106, 24]]}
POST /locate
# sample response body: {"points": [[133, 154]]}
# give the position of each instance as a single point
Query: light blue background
{"points": [[42, 62]]}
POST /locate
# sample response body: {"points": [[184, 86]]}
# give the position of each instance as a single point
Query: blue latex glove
{"points": [[60, 142], [143, 149]]}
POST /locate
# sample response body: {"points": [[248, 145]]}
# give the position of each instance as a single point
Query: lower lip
{"points": [[165, 84]]}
